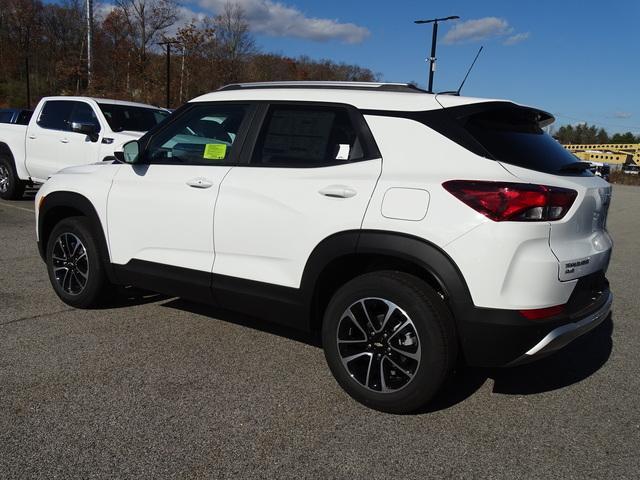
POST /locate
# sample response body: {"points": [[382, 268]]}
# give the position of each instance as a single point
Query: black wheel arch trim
{"points": [[64, 200], [408, 248]]}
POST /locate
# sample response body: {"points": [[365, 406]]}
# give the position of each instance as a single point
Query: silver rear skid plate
{"points": [[561, 336]]}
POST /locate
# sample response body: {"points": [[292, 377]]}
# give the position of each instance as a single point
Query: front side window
{"points": [[307, 136], [205, 135], [132, 118], [83, 113], [55, 114]]}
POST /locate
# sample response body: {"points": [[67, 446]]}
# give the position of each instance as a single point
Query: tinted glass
{"points": [[204, 135], [307, 136], [55, 114], [5, 117], [24, 117], [513, 135], [83, 113], [131, 118]]}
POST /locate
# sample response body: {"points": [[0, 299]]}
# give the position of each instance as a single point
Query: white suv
{"points": [[412, 230]]}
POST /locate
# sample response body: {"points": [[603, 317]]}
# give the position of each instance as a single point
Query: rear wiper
{"points": [[575, 167]]}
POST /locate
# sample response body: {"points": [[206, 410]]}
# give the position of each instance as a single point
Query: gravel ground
{"points": [[163, 388]]}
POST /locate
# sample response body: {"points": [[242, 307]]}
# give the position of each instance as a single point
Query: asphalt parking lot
{"points": [[162, 388]]}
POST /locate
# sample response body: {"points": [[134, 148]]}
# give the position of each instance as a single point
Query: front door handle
{"points": [[64, 140], [200, 182], [338, 191]]}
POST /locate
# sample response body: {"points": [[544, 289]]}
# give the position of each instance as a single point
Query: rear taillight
{"points": [[542, 313], [516, 202]]}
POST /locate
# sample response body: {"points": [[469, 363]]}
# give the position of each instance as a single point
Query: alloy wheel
{"points": [[70, 263], [4, 179], [378, 345]]}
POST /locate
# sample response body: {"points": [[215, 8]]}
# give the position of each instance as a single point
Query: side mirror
{"points": [[89, 129], [130, 152]]}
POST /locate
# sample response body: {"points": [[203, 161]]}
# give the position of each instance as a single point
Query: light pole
{"points": [[168, 44], [434, 39]]}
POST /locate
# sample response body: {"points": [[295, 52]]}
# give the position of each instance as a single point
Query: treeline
{"points": [[590, 134], [49, 41]]}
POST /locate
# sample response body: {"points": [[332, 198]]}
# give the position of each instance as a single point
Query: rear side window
{"points": [[514, 135], [24, 117], [55, 114], [132, 118], [307, 136]]}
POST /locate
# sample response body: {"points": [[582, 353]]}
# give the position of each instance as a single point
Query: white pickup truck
{"points": [[68, 131]]}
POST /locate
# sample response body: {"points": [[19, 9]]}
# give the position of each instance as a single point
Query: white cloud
{"points": [[622, 115], [478, 29], [102, 10], [517, 38], [279, 20], [268, 17]]}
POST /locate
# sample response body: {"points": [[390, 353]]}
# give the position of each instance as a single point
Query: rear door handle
{"points": [[200, 182], [338, 191], [64, 140], [32, 137]]}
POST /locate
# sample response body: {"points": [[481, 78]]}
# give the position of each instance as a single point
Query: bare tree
{"points": [[192, 39], [147, 21], [234, 42]]}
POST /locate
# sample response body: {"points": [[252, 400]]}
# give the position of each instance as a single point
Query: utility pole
{"points": [[26, 67], [434, 39], [168, 44], [89, 9]]}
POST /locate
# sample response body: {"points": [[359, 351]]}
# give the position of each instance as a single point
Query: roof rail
{"points": [[376, 86]]}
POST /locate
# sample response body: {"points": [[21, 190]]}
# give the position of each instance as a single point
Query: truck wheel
{"points": [[75, 266], [389, 340], [11, 187]]}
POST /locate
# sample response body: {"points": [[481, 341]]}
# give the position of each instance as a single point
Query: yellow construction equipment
{"points": [[612, 153]]}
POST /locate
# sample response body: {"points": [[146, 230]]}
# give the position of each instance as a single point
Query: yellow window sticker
{"points": [[214, 151]]}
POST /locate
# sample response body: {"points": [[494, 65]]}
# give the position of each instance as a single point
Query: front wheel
{"points": [[75, 266], [389, 341], [11, 187]]}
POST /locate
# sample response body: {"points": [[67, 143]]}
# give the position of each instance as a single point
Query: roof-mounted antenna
{"points": [[469, 71]]}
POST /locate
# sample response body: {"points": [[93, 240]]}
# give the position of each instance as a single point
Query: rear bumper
{"points": [[498, 338], [561, 336]]}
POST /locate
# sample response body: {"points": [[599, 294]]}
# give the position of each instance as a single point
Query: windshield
{"points": [[131, 118]]}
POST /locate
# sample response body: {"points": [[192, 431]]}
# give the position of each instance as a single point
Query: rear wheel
{"points": [[75, 266], [11, 187], [389, 340]]}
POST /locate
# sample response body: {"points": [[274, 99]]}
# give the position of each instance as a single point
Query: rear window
{"points": [[514, 135]]}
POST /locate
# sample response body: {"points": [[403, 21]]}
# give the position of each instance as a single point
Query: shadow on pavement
{"points": [[245, 321], [131, 296], [575, 362]]}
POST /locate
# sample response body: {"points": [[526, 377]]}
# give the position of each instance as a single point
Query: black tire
{"points": [[67, 275], [424, 359], [11, 187]]}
